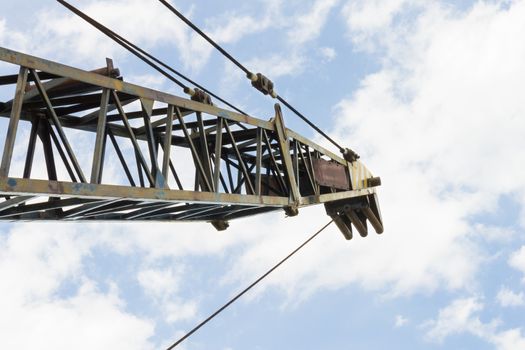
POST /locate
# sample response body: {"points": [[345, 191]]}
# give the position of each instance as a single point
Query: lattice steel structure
{"points": [[239, 165]]}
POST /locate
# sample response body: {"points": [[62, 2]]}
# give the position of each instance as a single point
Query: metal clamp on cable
{"points": [[262, 83], [350, 156], [198, 95]]}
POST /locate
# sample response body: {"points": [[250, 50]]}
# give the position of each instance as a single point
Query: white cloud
{"points": [[509, 340], [161, 242], [494, 233], [328, 53], [369, 22], [300, 29], [440, 124], [12, 38], [161, 283], [276, 65], [57, 303], [461, 316], [236, 28], [61, 35], [87, 320], [371, 16], [180, 311], [517, 260], [152, 81], [308, 26], [45, 258], [507, 297], [421, 123], [230, 27], [456, 318], [400, 321], [36, 262]]}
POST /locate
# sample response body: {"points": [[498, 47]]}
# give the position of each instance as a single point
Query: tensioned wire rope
{"points": [[145, 56], [245, 290], [247, 71], [137, 51]]}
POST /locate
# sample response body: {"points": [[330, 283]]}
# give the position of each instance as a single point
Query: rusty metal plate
{"points": [[331, 174]]}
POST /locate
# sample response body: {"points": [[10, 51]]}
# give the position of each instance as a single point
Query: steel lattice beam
{"points": [[240, 165]]}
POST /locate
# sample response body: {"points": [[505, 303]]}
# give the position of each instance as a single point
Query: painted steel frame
{"points": [[242, 165]]}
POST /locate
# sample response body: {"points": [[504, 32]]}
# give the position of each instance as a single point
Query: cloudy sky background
{"points": [[429, 93]]}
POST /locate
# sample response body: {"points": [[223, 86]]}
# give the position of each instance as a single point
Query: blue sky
{"points": [[430, 93]]}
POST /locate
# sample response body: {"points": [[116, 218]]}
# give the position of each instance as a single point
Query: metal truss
{"points": [[240, 165]]}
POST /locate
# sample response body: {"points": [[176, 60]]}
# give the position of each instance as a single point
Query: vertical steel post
{"points": [[242, 165], [141, 162], [205, 154], [31, 147], [147, 108], [167, 144], [58, 126], [218, 152], [258, 162], [199, 167], [44, 133], [16, 109], [96, 169], [285, 155]]}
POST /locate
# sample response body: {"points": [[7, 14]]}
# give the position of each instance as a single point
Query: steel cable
{"points": [[237, 296], [206, 37], [245, 70], [144, 56], [307, 121]]}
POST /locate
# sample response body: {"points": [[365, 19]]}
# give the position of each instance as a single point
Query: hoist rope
{"points": [[245, 70], [145, 56], [307, 121], [202, 34], [240, 294]]}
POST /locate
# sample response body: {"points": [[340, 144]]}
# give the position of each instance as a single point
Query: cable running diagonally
{"points": [[232, 300], [307, 121], [206, 37], [145, 56], [245, 70]]}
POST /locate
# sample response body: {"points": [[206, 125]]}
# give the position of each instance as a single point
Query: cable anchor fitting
{"points": [[198, 95], [262, 83], [349, 155]]}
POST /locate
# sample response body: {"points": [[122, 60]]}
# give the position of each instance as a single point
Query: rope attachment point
{"points": [[262, 83], [198, 95], [349, 155]]}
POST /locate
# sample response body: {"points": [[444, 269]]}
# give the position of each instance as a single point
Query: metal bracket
{"points": [[350, 156], [262, 83], [220, 225], [199, 95], [356, 211]]}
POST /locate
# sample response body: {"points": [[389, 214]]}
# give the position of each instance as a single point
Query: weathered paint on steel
{"points": [[253, 146], [29, 61], [331, 174], [19, 186]]}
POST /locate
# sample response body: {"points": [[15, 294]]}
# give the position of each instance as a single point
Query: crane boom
{"points": [[179, 159]]}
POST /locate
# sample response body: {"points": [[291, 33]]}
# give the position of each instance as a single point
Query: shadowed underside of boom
{"points": [[85, 145]]}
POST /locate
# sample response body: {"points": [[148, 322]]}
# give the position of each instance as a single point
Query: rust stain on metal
{"points": [[331, 174], [230, 151]]}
